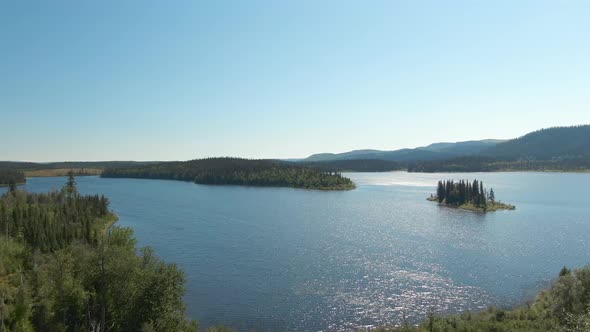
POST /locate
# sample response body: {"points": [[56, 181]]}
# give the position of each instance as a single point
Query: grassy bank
{"points": [[107, 222], [63, 172]]}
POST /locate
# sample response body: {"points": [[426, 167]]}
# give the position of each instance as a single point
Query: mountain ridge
{"points": [[434, 151]]}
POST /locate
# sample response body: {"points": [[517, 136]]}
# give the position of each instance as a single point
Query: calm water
{"points": [[288, 259]]}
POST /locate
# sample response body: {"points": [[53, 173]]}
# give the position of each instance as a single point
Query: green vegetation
{"points": [[80, 168], [62, 269], [563, 149], [12, 177], [563, 307], [489, 164], [63, 172], [435, 151], [567, 143], [356, 165], [236, 171], [468, 196]]}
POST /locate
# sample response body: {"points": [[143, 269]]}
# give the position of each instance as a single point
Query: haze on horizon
{"points": [[265, 79]]}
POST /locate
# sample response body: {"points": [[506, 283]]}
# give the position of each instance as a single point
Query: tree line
{"points": [[490, 164], [237, 171], [355, 165], [464, 192], [63, 269], [11, 177]]}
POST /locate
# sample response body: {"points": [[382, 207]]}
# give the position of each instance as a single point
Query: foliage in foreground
{"points": [[563, 307], [60, 270]]}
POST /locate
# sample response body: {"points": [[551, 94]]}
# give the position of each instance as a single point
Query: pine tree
{"points": [[440, 192], [70, 188], [482, 193], [11, 186]]}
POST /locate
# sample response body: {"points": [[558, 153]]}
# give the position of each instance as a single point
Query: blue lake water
{"points": [[290, 259]]}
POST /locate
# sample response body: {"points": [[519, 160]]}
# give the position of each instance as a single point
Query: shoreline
{"points": [[97, 172], [49, 172], [581, 171], [339, 188], [7, 184], [497, 206]]}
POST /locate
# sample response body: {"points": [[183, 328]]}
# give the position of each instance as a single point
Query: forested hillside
{"points": [[435, 151], [356, 165], [546, 144], [552, 149], [237, 171], [61, 269], [489, 164]]}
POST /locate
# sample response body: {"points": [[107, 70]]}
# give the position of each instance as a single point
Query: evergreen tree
{"points": [[440, 192], [70, 188], [464, 192], [11, 186], [564, 271]]}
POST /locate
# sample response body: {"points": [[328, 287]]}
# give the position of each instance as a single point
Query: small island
{"points": [[467, 195]]}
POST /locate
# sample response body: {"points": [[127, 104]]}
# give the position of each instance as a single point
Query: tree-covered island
{"points": [[238, 171], [468, 196]]}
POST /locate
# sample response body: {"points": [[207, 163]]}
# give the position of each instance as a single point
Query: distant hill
{"points": [[552, 149], [355, 165], [28, 166], [545, 144], [436, 151], [463, 148], [356, 154], [556, 149]]}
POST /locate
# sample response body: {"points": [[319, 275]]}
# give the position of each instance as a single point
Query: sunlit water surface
{"points": [[288, 259]]}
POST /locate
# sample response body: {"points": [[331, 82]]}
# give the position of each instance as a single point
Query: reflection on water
{"points": [[287, 259]]}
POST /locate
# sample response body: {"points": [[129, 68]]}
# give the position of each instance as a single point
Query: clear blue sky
{"points": [[142, 80]]}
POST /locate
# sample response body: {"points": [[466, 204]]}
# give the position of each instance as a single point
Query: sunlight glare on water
{"points": [[288, 259]]}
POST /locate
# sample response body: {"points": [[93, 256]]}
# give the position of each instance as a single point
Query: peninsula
{"points": [[467, 195], [11, 177], [238, 171]]}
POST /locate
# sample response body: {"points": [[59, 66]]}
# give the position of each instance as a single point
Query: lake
{"points": [[289, 259]]}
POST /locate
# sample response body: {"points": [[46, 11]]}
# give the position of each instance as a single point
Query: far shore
{"points": [[6, 184], [50, 172], [491, 207], [63, 172]]}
